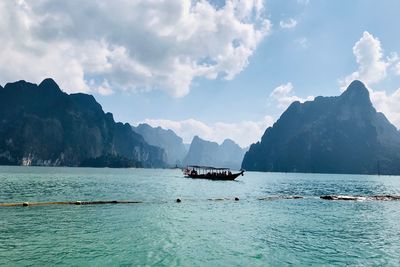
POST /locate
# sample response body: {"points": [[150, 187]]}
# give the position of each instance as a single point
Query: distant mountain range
{"points": [[41, 125], [166, 139], [206, 153], [342, 134], [199, 152]]}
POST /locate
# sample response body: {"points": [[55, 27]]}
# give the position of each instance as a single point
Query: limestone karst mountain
{"points": [[41, 125], [203, 152], [343, 134], [172, 144]]}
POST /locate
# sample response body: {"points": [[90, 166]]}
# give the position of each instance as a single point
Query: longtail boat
{"points": [[211, 173]]}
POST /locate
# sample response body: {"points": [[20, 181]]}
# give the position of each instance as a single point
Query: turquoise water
{"points": [[198, 231]]}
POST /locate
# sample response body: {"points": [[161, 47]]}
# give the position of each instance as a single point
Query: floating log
{"points": [[218, 199], [178, 200], [25, 204]]}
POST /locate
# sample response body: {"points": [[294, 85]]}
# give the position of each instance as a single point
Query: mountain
{"points": [[41, 125], [342, 134], [202, 152], [166, 139], [187, 146]]}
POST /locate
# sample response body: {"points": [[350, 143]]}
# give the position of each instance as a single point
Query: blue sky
{"points": [[291, 50]]}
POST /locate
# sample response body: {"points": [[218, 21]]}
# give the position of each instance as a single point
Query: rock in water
{"points": [[380, 198]]}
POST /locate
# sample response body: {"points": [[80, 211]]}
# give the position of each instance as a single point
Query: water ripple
{"points": [[276, 231]]}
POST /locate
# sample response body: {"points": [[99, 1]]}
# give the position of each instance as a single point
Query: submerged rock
{"points": [[279, 197], [379, 197], [341, 197], [385, 197]]}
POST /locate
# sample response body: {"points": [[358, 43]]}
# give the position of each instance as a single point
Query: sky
{"points": [[218, 69]]}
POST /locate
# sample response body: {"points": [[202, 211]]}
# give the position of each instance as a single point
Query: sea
{"points": [[265, 227]]}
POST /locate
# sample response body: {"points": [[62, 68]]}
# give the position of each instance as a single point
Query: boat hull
{"points": [[230, 177]]}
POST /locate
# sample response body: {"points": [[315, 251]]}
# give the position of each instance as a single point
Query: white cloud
{"points": [[388, 104], [287, 24], [303, 2], [103, 89], [244, 133], [397, 68], [373, 68], [130, 45], [24, 57], [302, 42], [371, 64], [283, 95]]}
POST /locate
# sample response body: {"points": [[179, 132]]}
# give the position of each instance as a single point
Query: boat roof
{"points": [[207, 167]]}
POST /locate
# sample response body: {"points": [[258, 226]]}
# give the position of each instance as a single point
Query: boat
{"points": [[211, 173]]}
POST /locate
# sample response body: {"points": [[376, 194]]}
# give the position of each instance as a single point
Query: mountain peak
{"points": [[357, 92], [49, 84], [144, 125], [196, 138], [20, 84], [166, 139], [228, 142], [209, 153]]}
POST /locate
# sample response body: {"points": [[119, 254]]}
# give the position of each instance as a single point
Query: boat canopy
{"points": [[208, 168]]}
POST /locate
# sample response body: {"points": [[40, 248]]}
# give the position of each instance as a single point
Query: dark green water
{"points": [[198, 231]]}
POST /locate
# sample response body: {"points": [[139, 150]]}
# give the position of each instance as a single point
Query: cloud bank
{"points": [[371, 65], [283, 96], [244, 133], [128, 45]]}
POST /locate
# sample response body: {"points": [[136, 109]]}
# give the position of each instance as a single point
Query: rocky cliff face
{"points": [[341, 134], [202, 152], [166, 139], [41, 125]]}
